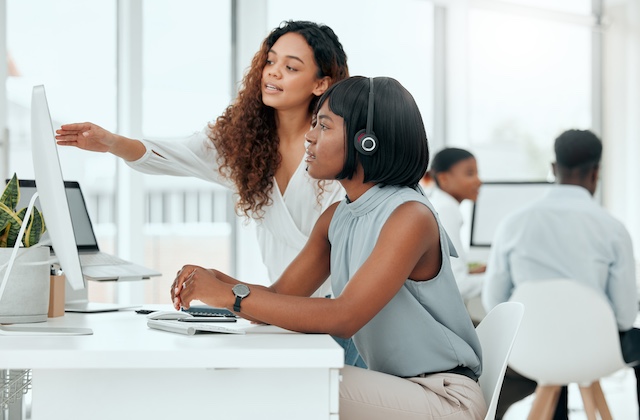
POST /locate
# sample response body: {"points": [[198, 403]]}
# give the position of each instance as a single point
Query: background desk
{"points": [[127, 371]]}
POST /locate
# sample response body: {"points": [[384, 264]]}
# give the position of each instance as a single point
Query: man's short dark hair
{"points": [[578, 149]]}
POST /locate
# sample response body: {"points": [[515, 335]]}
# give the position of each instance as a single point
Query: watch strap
{"points": [[236, 305]]}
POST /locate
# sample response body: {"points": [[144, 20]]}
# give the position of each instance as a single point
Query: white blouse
{"points": [[448, 209], [286, 224]]}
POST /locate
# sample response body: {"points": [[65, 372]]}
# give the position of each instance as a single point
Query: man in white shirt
{"points": [[566, 234]]}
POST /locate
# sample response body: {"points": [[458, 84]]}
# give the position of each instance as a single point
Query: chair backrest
{"points": [[497, 332], [568, 334]]}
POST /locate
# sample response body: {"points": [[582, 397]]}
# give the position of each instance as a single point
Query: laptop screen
{"points": [[82, 227]]}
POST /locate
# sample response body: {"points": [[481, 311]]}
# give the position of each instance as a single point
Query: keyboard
{"points": [[100, 258], [202, 310]]}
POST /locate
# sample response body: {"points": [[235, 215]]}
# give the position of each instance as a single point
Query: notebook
{"points": [[96, 265], [188, 328]]}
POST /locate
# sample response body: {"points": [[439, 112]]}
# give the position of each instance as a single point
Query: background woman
{"points": [[455, 175]]}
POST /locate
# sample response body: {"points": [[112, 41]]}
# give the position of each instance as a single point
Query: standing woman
{"points": [[455, 174], [257, 146]]}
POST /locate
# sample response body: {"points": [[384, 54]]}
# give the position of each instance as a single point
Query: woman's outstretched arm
{"points": [[89, 136]]}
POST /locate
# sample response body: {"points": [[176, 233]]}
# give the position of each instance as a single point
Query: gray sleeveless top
{"points": [[425, 328]]}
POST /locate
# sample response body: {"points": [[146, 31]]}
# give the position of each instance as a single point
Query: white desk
{"points": [[128, 371]]}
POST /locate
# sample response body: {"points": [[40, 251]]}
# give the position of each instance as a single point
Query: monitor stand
{"points": [[78, 301], [31, 329]]}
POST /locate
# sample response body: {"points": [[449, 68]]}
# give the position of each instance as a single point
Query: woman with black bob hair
{"points": [[388, 257]]}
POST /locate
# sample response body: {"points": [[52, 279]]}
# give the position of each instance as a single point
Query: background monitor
{"points": [[51, 191], [497, 200]]}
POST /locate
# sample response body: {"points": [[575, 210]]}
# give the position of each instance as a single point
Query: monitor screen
{"points": [[497, 200], [51, 191]]}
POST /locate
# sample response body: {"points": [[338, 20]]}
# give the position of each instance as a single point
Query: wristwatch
{"points": [[241, 291]]}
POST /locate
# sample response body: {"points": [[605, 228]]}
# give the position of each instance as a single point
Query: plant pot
{"points": [[26, 294]]}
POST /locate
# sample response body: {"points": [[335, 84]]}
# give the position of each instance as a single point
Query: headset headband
{"points": [[370, 108]]}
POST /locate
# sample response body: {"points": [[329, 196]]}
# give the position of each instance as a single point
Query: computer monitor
{"points": [[495, 201], [51, 191]]}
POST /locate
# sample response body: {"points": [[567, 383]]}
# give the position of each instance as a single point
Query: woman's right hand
{"points": [[87, 136]]}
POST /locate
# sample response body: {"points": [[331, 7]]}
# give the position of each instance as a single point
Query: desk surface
{"points": [[123, 340], [285, 375]]}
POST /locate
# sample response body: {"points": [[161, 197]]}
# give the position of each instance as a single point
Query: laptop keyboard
{"points": [[100, 258]]}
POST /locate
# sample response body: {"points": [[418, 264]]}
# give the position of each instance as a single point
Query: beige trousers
{"points": [[370, 395]]}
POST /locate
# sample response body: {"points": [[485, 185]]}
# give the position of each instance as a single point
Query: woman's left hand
{"points": [[196, 283]]}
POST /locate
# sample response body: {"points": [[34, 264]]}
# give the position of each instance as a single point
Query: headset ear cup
{"points": [[357, 138], [365, 143]]}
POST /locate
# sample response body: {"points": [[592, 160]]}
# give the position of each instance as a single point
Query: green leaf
{"points": [[35, 228], [13, 230], [11, 194], [44, 226], [9, 220], [7, 215], [4, 235]]}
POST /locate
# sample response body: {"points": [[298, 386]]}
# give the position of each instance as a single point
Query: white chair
{"points": [[497, 333], [568, 335]]}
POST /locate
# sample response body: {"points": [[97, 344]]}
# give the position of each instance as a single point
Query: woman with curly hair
{"points": [[257, 146]]}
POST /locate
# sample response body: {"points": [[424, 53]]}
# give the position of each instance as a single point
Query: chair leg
{"points": [[545, 402], [589, 402], [601, 402]]}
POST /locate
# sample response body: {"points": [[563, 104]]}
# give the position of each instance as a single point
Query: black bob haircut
{"points": [[403, 152]]}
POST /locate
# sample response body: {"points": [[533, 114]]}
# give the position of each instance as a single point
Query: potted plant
{"points": [[25, 295]]}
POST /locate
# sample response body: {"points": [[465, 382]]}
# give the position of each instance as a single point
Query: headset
{"points": [[365, 140]]}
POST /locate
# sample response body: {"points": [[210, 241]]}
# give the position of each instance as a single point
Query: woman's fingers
{"points": [[179, 284]]}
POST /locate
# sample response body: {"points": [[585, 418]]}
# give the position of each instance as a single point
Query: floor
{"points": [[619, 390]]}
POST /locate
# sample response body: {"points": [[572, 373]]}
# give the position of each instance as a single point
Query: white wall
{"points": [[621, 114]]}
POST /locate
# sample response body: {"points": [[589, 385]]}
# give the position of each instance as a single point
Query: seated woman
{"points": [[455, 175], [389, 262]]}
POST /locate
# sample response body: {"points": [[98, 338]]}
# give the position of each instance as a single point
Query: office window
{"points": [[187, 65], [53, 43], [529, 79], [570, 6], [186, 83]]}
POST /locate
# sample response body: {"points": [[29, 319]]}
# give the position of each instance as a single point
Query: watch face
{"points": [[241, 290]]}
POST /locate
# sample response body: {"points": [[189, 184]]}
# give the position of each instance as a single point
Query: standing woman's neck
{"points": [[292, 124]]}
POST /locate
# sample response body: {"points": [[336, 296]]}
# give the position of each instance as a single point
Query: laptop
{"points": [[96, 265]]}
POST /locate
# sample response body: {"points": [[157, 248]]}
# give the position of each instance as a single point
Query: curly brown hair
{"points": [[245, 135]]}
